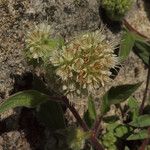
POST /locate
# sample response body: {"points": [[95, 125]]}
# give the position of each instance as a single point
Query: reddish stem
{"points": [[146, 89], [94, 141], [96, 127], [75, 114]]}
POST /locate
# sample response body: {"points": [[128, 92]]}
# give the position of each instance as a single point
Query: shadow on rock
{"points": [[114, 26], [34, 132], [147, 8]]}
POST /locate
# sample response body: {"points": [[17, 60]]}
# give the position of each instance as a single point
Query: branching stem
{"points": [[82, 123], [97, 127]]}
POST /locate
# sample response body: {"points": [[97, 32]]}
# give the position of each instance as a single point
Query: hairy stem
{"points": [[146, 89], [75, 114]]}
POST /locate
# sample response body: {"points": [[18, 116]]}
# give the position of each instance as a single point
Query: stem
{"points": [[146, 89], [76, 114], [94, 141], [96, 127]]}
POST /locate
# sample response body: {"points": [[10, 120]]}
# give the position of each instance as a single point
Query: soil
{"points": [[19, 128]]}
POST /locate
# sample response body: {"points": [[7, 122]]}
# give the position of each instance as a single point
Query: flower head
{"points": [[116, 9], [40, 43], [84, 63]]}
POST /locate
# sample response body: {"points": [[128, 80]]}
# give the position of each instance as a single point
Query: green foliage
{"points": [[114, 132], [117, 95], [73, 70], [134, 107], [141, 121], [29, 98], [142, 134], [121, 131], [109, 140], [116, 9], [126, 45], [111, 126], [142, 49], [90, 114], [133, 41]]}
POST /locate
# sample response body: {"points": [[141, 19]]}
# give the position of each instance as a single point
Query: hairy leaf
{"points": [[143, 134], [141, 121], [117, 95], [142, 49], [28, 98], [126, 45], [134, 107]]}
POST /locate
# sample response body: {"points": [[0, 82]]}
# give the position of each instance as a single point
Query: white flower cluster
{"points": [[40, 43], [84, 63]]}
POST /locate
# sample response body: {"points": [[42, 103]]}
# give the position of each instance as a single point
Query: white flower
{"points": [[84, 64], [40, 43]]}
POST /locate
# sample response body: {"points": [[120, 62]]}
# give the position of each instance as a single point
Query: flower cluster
{"points": [[84, 63], [116, 9], [40, 43]]}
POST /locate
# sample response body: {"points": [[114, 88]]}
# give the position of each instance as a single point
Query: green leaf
{"points": [[111, 126], [143, 134], [134, 107], [51, 114], [117, 95], [90, 115], [121, 131], [28, 98], [126, 45], [142, 49], [141, 121], [109, 139], [105, 104]]}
